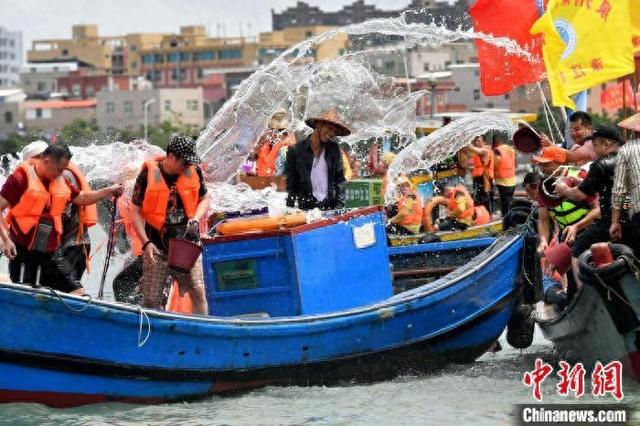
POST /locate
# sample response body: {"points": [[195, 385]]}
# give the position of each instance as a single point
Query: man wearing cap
{"points": [[169, 200], [599, 181], [315, 173], [39, 195], [570, 217]]}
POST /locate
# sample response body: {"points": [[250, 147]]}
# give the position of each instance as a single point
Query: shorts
{"points": [[50, 274], [157, 277]]}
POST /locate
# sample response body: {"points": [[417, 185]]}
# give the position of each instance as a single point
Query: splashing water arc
{"points": [[431, 149], [367, 101]]}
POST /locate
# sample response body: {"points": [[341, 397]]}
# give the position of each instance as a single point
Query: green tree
{"points": [[80, 132], [13, 143]]}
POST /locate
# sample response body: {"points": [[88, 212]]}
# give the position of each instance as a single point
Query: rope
{"points": [[549, 112], [88, 298], [143, 314]]}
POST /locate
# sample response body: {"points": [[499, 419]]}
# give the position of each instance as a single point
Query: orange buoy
{"points": [[241, 226], [601, 254]]}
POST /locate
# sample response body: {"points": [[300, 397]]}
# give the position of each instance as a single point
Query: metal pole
{"points": [[146, 112], [433, 98]]}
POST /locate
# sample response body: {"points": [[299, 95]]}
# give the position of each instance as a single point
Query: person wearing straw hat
{"points": [[626, 186], [270, 143], [315, 173]]}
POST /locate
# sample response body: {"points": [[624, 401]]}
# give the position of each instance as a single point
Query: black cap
{"points": [[606, 132], [184, 147]]}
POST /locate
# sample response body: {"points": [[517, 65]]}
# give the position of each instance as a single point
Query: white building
{"points": [[10, 57], [40, 80], [467, 91], [126, 109]]}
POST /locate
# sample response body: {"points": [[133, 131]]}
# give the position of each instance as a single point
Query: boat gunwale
{"points": [[506, 241]]}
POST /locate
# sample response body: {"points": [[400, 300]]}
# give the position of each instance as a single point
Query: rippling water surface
{"points": [[482, 393]]}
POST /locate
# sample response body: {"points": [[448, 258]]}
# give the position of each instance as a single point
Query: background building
{"points": [[50, 116], [466, 78], [125, 109], [10, 57], [304, 15], [41, 80], [11, 111]]}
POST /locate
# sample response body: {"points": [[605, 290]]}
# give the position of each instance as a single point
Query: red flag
{"points": [[500, 72]]}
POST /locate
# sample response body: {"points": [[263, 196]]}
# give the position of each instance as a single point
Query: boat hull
{"points": [[64, 352], [587, 333]]}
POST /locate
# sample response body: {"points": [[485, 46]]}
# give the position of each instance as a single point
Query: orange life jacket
{"points": [[452, 205], [124, 212], [88, 214], [506, 167], [479, 168], [156, 197], [410, 207], [29, 210]]}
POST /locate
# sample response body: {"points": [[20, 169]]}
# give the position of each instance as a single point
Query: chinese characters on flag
{"points": [[586, 43]]}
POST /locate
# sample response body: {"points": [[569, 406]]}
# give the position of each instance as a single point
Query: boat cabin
{"points": [[329, 265]]}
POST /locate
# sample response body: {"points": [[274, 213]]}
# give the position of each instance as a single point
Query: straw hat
{"points": [[279, 120], [331, 117], [403, 180], [631, 123]]}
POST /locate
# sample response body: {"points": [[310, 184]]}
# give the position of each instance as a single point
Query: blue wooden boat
{"points": [[452, 301]]}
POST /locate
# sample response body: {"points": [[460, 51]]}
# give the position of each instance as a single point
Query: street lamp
{"points": [[433, 83], [146, 112]]}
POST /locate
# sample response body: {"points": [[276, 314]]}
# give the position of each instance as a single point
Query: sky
{"points": [[47, 19]]}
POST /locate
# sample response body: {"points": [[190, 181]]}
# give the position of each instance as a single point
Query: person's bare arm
{"points": [[544, 232], [86, 198], [574, 194], [150, 250], [9, 247]]}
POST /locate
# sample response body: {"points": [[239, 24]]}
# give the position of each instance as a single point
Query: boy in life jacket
{"points": [[569, 217], [38, 195], [169, 200], [409, 217], [504, 171]]}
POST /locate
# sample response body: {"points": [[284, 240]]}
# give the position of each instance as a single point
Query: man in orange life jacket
{"points": [[505, 171], [483, 169], [38, 195], [72, 257], [169, 199]]}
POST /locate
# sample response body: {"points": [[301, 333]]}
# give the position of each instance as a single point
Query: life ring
{"points": [[427, 220], [241, 226], [482, 216]]}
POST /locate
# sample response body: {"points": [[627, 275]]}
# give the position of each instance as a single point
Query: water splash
{"points": [[369, 102], [437, 146]]}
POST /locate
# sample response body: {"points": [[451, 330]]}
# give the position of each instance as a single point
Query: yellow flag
{"points": [[634, 7], [586, 43]]}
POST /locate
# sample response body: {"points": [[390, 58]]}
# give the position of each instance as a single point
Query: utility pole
{"points": [[146, 113]]}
